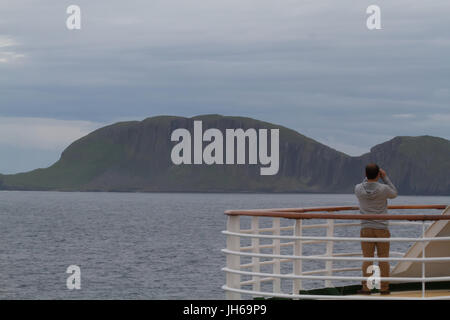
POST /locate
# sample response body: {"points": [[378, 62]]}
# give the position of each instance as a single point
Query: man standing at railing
{"points": [[372, 196]]}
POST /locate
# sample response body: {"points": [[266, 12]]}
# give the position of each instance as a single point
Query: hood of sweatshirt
{"points": [[370, 189]]}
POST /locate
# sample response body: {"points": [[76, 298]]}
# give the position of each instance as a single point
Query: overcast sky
{"points": [[310, 65]]}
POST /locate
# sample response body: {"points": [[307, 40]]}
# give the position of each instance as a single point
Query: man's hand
{"points": [[382, 174]]}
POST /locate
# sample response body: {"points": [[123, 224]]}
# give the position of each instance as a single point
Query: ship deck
{"points": [[415, 294]]}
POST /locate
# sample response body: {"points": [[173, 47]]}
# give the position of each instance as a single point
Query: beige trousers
{"points": [[368, 250]]}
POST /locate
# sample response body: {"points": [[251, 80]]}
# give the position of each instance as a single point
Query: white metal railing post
{"points": [[329, 252], [298, 251], [233, 280], [255, 260], [276, 251], [423, 262]]}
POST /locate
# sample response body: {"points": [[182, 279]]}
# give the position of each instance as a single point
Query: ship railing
{"points": [[285, 232]]}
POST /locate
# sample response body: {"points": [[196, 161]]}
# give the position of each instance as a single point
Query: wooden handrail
{"points": [[301, 213]]}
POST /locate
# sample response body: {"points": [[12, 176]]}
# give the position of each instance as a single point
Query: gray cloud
{"points": [[309, 65]]}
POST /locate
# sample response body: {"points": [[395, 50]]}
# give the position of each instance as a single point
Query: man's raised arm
{"points": [[391, 190]]}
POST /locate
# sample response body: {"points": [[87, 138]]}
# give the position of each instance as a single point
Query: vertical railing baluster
{"points": [[255, 260], [233, 280], [329, 252], [298, 251], [423, 257], [276, 251]]}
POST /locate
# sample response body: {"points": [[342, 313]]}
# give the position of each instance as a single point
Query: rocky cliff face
{"points": [[135, 156], [418, 165]]}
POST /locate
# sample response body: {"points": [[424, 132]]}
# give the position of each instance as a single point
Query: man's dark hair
{"points": [[372, 171]]}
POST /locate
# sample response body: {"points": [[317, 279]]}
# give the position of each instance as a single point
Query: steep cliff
{"points": [[135, 156]]}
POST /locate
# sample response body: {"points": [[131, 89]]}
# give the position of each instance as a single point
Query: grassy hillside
{"points": [[135, 156]]}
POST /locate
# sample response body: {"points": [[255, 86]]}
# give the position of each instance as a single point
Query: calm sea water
{"points": [[128, 245]]}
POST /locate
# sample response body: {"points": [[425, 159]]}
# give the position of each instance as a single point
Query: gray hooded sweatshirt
{"points": [[372, 197]]}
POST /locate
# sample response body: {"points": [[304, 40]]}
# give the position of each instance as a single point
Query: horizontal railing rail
{"points": [[328, 258], [357, 239], [329, 209], [238, 292], [290, 276]]}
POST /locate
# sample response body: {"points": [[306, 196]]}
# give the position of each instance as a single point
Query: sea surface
{"points": [[128, 245]]}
